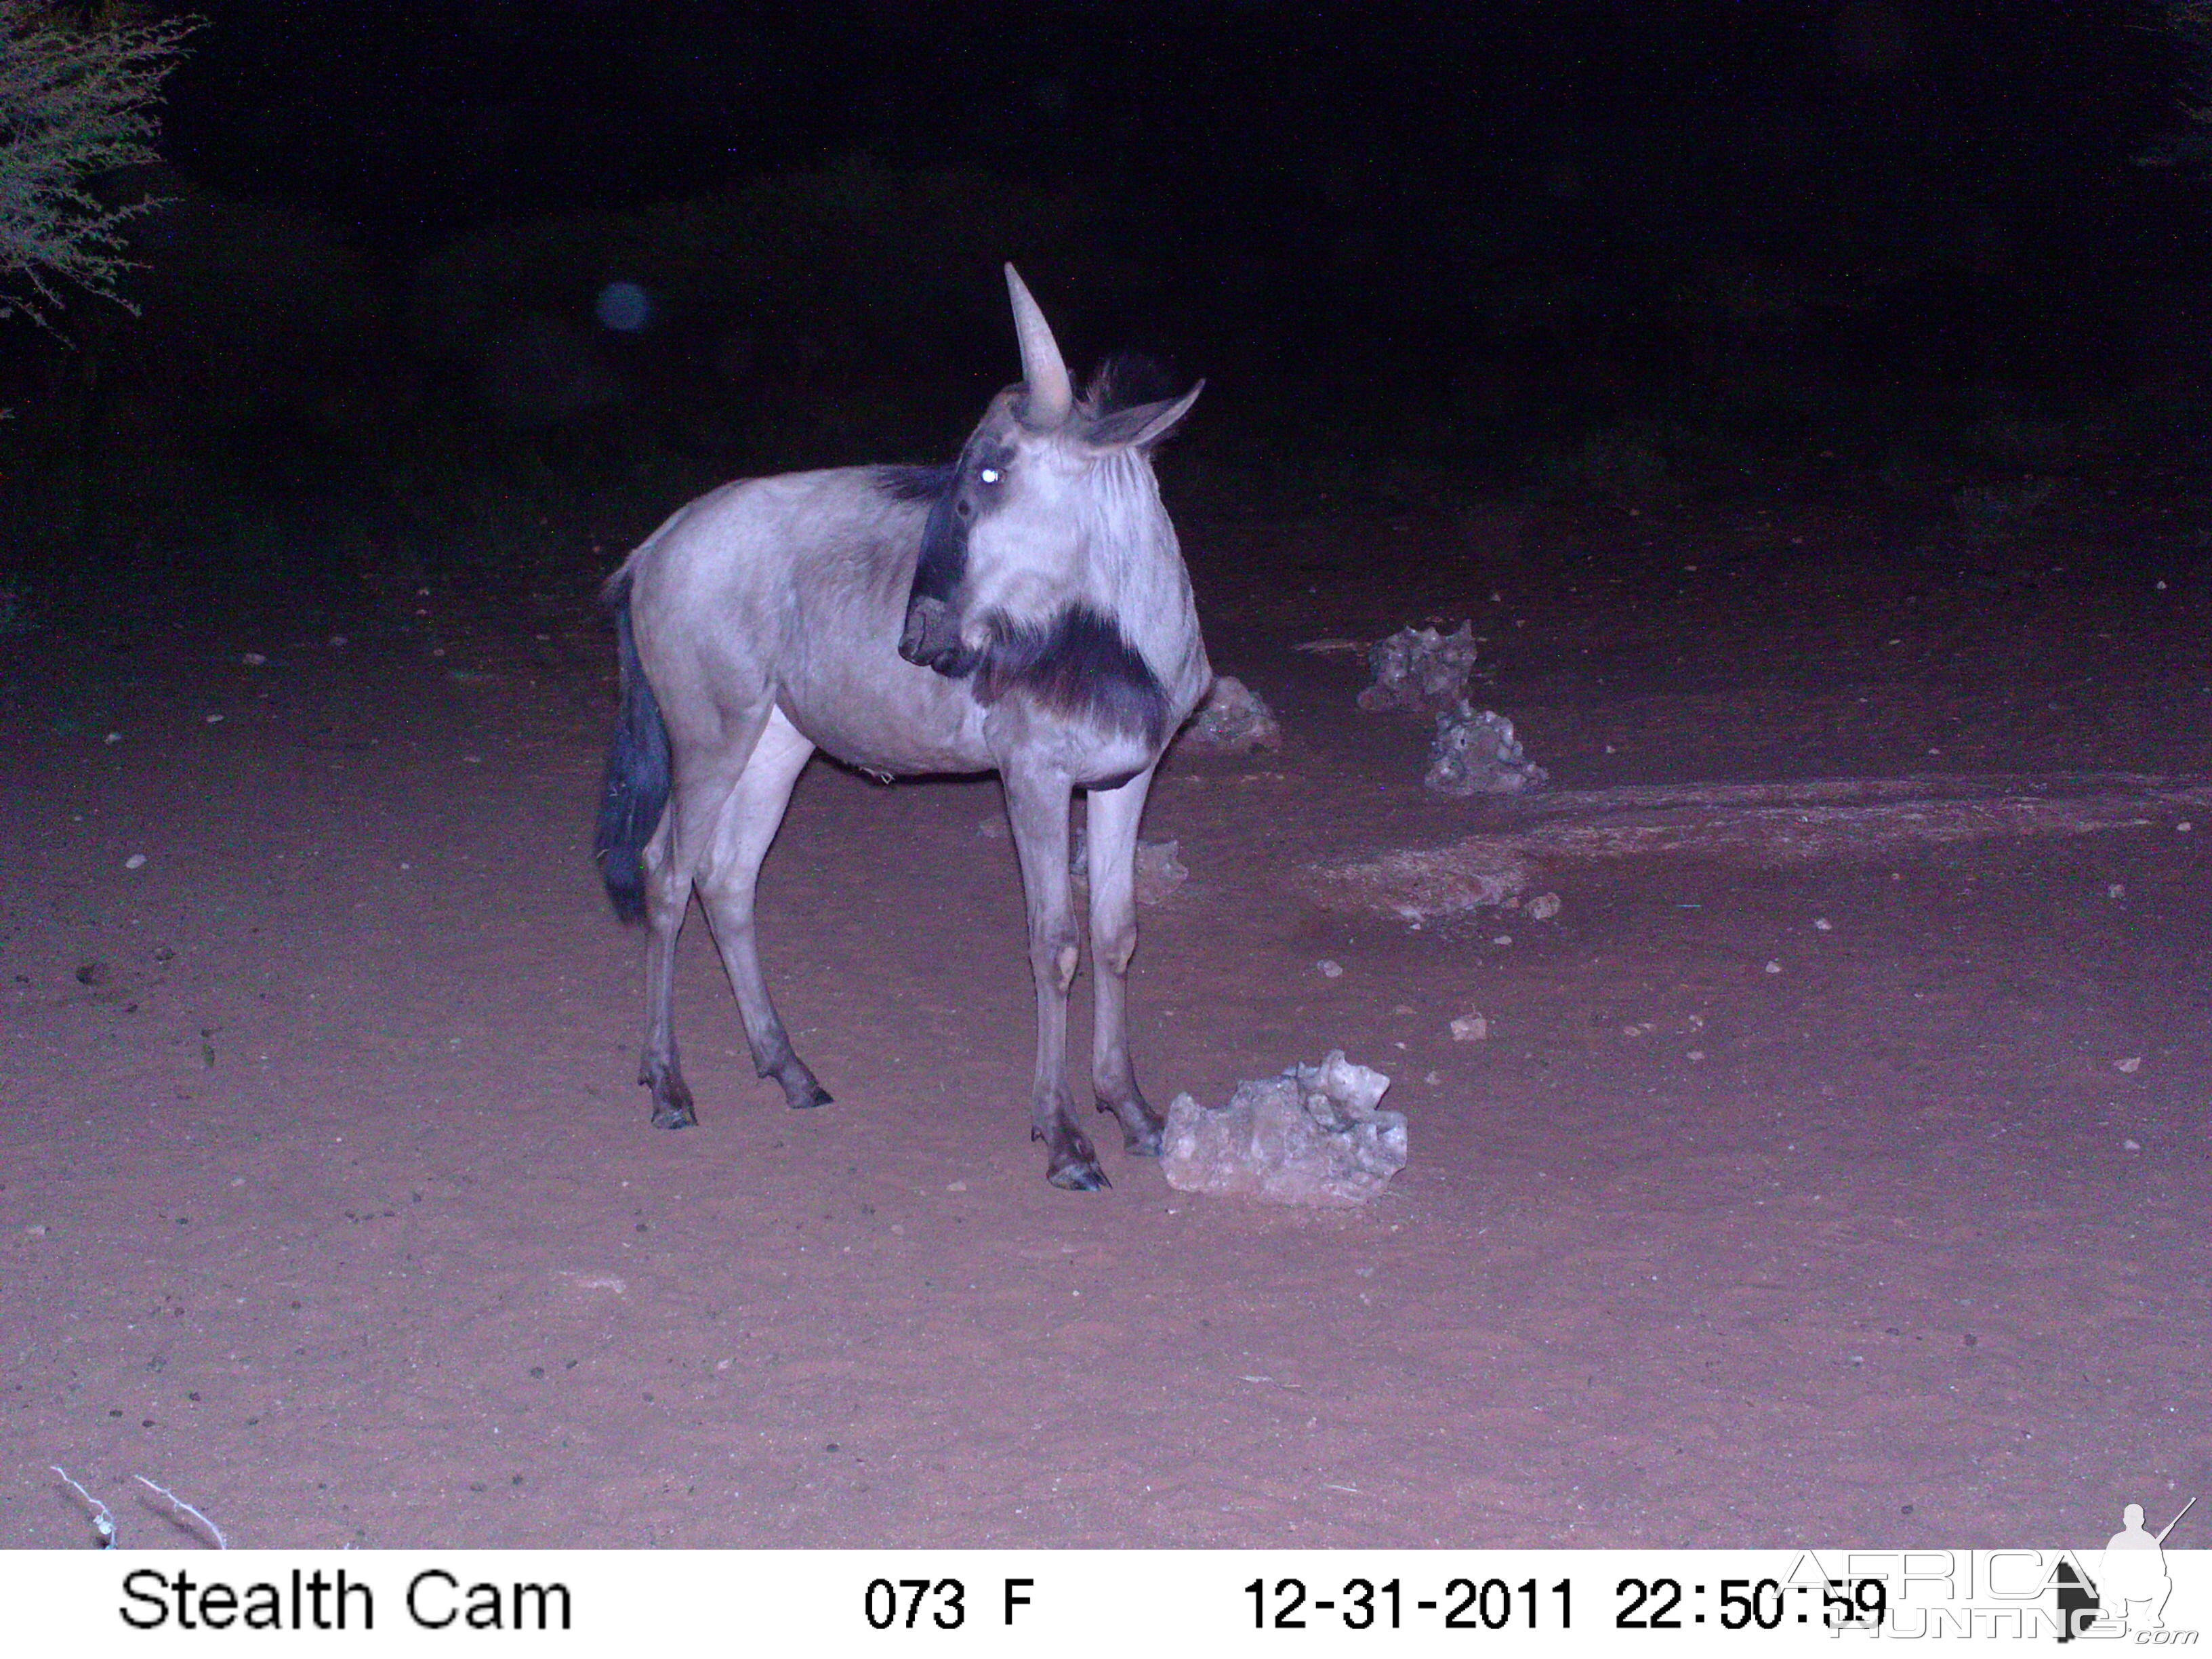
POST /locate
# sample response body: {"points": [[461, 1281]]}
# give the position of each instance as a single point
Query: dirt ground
{"points": [[1855, 1202]]}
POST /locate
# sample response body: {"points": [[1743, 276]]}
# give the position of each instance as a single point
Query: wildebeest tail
{"points": [[635, 787]]}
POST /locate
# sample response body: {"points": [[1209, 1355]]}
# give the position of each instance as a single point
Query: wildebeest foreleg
{"points": [[1037, 805], [1113, 862], [728, 874]]}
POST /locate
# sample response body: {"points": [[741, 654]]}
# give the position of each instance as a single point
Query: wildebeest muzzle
{"points": [[931, 638]]}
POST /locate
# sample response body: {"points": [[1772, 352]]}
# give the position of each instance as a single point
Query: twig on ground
{"points": [[213, 1531], [103, 1520]]}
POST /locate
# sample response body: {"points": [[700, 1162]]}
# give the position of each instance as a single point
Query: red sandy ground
{"points": [[327, 1200]]}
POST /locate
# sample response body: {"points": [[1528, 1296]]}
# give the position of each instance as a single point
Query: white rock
{"points": [[1315, 1135]]}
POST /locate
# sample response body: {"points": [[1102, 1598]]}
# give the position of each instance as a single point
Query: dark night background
{"points": [[1610, 250]]}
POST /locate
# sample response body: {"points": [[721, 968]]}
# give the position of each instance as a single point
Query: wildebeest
{"points": [[1024, 611]]}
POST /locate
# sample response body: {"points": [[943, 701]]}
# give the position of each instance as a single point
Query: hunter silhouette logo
{"points": [[2131, 1585]]}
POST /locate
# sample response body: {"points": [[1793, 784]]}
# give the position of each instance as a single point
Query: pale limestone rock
{"points": [[1315, 1135]]}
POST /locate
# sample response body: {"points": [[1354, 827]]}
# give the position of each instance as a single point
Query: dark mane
{"points": [[911, 483], [1125, 381]]}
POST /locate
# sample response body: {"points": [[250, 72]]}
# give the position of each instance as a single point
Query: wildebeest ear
{"points": [[1142, 427]]}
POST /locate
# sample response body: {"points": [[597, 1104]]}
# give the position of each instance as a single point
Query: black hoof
{"points": [[1144, 1140], [806, 1099], [671, 1096], [1078, 1177], [1149, 1141]]}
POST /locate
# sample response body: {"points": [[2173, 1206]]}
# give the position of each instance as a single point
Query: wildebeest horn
{"points": [[1050, 394]]}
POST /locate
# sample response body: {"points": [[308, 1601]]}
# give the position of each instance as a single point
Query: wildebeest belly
{"points": [[888, 716]]}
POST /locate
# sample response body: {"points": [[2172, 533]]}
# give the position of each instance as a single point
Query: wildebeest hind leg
{"points": [[727, 878], [667, 896]]}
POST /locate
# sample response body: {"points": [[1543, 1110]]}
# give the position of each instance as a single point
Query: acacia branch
{"points": [[75, 106]]}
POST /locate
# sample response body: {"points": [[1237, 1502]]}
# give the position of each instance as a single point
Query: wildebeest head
{"points": [[1050, 507]]}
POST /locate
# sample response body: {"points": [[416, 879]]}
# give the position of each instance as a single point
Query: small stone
{"points": [[254, 659], [136, 861], [215, 719], [1233, 721], [2131, 1145], [1821, 924], [1544, 906], [2132, 1063], [2116, 890], [1503, 939], [1773, 967], [1160, 867], [1420, 667], [1330, 969], [1470, 1028], [1475, 752], [112, 737]]}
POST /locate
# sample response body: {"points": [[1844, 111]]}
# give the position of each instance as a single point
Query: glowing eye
{"points": [[989, 475]]}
